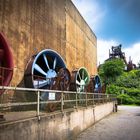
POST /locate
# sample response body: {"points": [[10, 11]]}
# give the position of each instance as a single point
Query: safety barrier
{"points": [[29, 101]]}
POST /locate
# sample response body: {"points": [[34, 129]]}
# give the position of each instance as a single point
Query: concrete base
{"points": [[60, 126]]}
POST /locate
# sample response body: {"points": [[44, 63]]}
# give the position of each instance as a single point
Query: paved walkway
{"points": [[123, 125]]}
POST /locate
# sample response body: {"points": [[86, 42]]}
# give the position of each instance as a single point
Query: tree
{"points": [[111, 69], [126, 85], [129, 83], [129, 79]]}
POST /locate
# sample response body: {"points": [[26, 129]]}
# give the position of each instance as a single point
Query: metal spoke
{"points": [[99, 84], [97, 80], [79, 76], [96, 85], [85, 79], [54, 63], [40, 70], [77, 82], [83, 74], [46, 61], [40, 84]]}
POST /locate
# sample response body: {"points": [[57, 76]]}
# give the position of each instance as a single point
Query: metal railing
{"points": [[42, 101]]}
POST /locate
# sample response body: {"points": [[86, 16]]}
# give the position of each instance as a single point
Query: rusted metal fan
{"points": [[98, 84], [47, 70], [95, 84], [42, 69], [61, 82], [79, 80], [6, 63]]}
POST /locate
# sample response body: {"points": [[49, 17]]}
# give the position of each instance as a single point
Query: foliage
{"points": [[125, 95], [110, 70], [126, 85], [125, 99], [129, 79]]}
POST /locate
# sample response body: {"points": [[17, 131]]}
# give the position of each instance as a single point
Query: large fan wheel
{"points": [[6, 63], [80, 80], [47, 70], [95, 84], [42, 69]]}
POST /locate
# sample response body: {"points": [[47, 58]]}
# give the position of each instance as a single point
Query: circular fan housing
{"points": [[80, 79], [6, 62], [43, 68], [95, 84]]}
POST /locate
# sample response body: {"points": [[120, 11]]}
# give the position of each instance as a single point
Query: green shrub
{"points": [[125, 99], [125, 95]]}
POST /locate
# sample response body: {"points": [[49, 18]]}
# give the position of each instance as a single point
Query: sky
{"points": [[114, 22]]}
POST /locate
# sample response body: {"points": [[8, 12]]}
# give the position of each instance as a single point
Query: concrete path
{"points": [[123, 125]]}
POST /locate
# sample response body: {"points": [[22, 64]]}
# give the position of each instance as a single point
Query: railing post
{"points": [[62, 102], [76, 101], [86, 99], [104, 98], [93, 100], [107, 97], [98, 99], [38, 105]]}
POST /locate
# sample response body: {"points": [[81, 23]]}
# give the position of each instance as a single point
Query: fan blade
{"points": [[40, 70], [99, 84], [54, 63], [40, 84], [79, 76], [96, 85], [97, 80], [85, 79], [77, 82], [46, 61], [83, 74]]}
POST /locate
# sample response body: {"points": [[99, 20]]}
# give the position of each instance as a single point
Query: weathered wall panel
{"points": [[33, 25], [80, 37]]}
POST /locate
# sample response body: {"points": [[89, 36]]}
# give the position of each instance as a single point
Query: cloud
{"points": [[103, 47], [133, 51], [124, 28], [91, 11]]}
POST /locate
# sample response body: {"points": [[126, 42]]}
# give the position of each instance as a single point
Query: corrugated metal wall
{"points": [[33, 25]]}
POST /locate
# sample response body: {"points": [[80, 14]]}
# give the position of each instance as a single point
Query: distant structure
{"points": [[130, 65], [116, 52]]}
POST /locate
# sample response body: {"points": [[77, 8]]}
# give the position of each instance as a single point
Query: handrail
{"points": [[45, 90], [76, 98]]}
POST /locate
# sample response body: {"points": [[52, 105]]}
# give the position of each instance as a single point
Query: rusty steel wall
{"points": [[81, 46], [33, 25]]}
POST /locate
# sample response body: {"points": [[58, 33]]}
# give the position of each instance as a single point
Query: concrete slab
{"points": [[123, 125]]}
